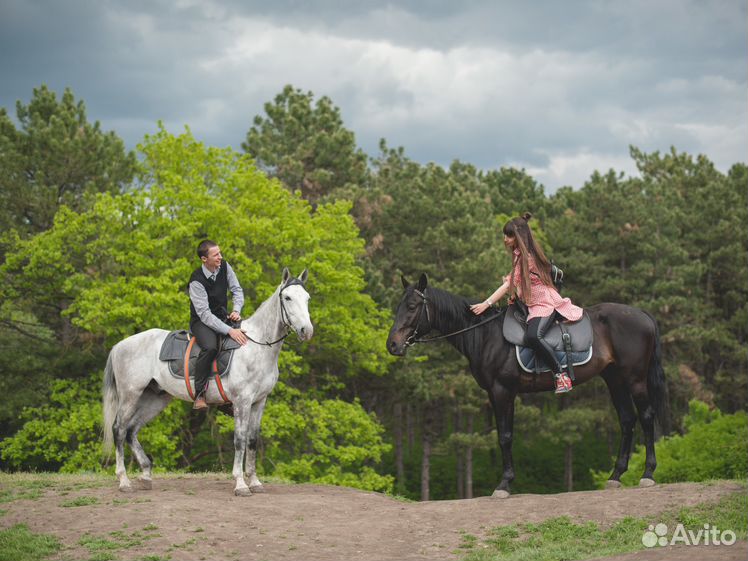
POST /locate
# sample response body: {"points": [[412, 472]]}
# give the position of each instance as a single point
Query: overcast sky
{"points": [[560, 88]]}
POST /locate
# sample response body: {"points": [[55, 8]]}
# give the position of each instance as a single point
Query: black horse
{"points": [[626, 354]]}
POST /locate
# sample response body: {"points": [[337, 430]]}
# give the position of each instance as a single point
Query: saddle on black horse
{"points": [[180, 350], [571, 341]]}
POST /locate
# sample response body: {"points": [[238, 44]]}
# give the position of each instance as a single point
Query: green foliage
{"points": [[65, 434], [56, 158], [306, 146], [330, 441], [17, 543], [715, 446], [122, 266]]}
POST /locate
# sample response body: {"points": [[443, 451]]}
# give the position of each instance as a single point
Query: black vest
{"points": [[217, 290]]}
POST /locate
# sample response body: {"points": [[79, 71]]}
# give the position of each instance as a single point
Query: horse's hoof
{"points": [[647, 482], [126, 489], [242, 492], [257, 489], [613, 484], [146, 484], [500, 494]]}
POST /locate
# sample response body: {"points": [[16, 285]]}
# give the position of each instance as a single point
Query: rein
{"points": [[424, 305]]}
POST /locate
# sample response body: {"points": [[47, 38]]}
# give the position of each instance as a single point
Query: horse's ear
{"points": [[406, 283], [286, 275], [423, 282], [303, 276]]}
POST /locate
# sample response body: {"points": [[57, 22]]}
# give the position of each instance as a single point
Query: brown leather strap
{"points": [[187, 368], [219, 385]]}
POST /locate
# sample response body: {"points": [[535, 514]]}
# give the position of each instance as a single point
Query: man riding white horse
{"points": [[209, 286]]}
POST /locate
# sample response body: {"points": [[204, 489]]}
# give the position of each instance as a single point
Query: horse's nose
{"points": [[392, 347], [306, 332]]}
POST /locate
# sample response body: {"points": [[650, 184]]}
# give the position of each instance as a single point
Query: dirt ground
{"points": [[197, 517]]}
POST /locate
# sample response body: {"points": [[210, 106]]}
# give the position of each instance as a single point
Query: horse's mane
{"points": [[450, 306], [453, 313]]}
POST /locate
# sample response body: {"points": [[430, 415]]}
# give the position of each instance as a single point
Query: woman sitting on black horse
{"points": [[530, 281]]}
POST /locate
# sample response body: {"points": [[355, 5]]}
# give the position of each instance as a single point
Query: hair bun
{"points": [[527, 216]]}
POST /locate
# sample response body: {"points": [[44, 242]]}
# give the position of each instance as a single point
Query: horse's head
{"points": [[411, 317], [294, 301]]}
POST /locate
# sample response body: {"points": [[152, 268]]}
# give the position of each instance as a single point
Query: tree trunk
{"points": [[458, 455], [568, 467], [425, 465], [399, 462], [469, 462]]}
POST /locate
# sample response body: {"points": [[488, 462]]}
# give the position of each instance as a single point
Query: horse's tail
{"points": [[110, 400], [656, 382]]}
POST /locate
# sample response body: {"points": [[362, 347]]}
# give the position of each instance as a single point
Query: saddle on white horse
{"points": [[180, 350], [571, 341]]}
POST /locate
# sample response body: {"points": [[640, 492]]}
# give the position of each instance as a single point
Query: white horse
{"points": [[138, 386]]}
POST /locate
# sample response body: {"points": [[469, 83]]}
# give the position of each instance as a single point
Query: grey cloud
{"points": [[582, 77]]}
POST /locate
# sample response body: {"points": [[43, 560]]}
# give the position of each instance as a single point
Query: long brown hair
{"points": [[519, 229]]}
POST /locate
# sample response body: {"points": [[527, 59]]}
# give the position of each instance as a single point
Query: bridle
{"points": [[285, 317], [412, 340]]}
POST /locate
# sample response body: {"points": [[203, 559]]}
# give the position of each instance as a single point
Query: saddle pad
{"points": [[580, 331], [174, 348], [174, 345], [526, 358]]}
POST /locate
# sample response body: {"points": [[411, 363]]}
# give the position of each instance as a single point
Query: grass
{"points": [[8, 495], [80, 501], [103, 548], [19, 544], [560, 538]]}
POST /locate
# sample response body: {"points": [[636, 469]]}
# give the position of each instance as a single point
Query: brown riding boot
{"points": [[200, 402]]}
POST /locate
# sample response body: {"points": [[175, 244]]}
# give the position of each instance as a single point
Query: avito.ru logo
{"points": [[709, 535]]}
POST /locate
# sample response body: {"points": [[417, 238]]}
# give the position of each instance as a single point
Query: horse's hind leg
{"points": [[150, 404], [255, 420], [127, 409], [621, 396], [647, 420]]}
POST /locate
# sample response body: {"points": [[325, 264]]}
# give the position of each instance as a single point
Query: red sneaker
{"points": [[563, 383]]}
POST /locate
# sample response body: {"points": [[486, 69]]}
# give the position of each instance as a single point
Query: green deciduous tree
{"points": [[714, 446], [64, 434], [122, 266], [325, 441]]}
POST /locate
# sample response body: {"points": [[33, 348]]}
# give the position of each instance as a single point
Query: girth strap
{"points": [[219, 384], [187, 368], [567, 347]]}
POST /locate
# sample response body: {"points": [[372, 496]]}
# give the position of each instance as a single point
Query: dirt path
{"points": [[197, 517]]}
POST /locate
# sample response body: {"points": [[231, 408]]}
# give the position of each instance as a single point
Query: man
{"points": [[209, 286]]}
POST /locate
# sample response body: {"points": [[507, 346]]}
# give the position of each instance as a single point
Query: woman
{"points": [[530, 281]]}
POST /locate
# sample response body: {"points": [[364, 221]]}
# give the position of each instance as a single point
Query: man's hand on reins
{"points": [[238, 336], [235, 316]]}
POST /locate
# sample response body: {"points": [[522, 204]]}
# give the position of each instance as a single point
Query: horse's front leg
{"points": [[242, 413], [255, 420], [502, 401]]}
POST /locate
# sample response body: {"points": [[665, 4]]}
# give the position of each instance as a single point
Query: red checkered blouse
{"points": [[544, 299]]}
